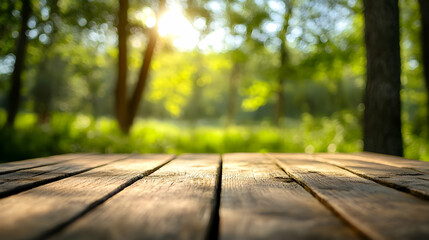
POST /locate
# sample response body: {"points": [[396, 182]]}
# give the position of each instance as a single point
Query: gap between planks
{"points": [[175, 202], [213, 226], [260, 201], [100, 201], [325, 203], [37, 162], [23, 180], [213, 230], [319, 198], [47, 209], [403, 179], [376, 210]]}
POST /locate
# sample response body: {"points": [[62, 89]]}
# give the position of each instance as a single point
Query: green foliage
{"points": [[71, 63], [81, 133]]}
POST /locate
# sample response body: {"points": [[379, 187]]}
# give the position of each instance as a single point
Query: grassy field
{"points": [[81, 133]]}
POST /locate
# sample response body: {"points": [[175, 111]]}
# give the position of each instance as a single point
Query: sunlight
{"points": [[183, 34], [176, 27]]}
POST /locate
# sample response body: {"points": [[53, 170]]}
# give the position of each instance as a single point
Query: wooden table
{"points": [[208, 196]]}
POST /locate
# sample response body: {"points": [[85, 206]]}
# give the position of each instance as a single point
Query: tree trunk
{"points": [[44, 81], [194, 106], [20, 52], [126, 111], [134, 102], [121, 83], [232, 96], [43, 92], [424, 12], [283, 65], [382, 116]]}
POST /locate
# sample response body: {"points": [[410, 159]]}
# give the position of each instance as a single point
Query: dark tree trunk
{"points": [[134, 102], [43, 92], [44, 82], [125, 110], [424, 12], [382, 116], [121, 83], [20, 52], [234, 81]]}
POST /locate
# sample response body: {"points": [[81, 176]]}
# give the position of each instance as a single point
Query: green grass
{"points": [[80, 133]]}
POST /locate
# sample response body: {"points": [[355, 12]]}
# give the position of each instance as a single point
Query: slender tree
{"points": [[382, 116], [134, 102], [127, 110], [194, 107], [284, 60], [43, 89], [20, 52], [121, 83], [424, 12]]}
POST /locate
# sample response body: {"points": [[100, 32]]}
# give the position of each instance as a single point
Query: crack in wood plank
{"points": [[37, 162], [259, 201], [98, 202], [154, 208], [394, 177], [42, 211], [374, 209], [20, 181]]}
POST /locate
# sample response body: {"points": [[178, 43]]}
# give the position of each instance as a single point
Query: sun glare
{"points": [[175, 26]]}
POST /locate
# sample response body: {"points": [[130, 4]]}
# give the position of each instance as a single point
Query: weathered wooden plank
{"points": [[402, 179], [419, 166], [39, 211], [259, 201], [378, 211], [175, 202], [19, 181], [37, 162]]}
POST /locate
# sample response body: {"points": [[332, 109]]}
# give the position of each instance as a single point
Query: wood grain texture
{"points": [[379, 212], [259, 201], [37, 162], [36, 212], [403, 179], [415, 165], [22, 180], [174, 202]]}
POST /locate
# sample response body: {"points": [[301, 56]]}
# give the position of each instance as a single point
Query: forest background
{"points": [[225, 76]]}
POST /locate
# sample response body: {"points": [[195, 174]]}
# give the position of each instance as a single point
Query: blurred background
{"points": [[222, 76]]}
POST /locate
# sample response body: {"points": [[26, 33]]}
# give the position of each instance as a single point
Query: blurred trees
{"points": [[46, 78], [58, 52], [74, 37], [20, 54], [126, 109], [271, 62]]}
